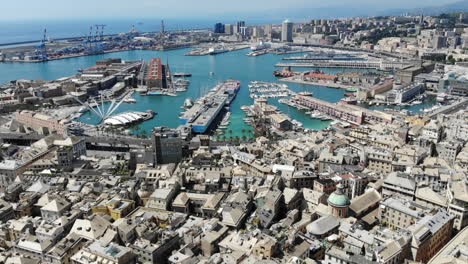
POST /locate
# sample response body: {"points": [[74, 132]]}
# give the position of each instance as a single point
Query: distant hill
{"points": [[307, 13], [461, 6]]}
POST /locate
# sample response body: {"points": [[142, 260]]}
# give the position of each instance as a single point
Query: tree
{"points": [[144, 134]]}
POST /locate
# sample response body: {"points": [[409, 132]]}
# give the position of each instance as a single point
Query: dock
{"points": [[378, 65], [330, 85]]}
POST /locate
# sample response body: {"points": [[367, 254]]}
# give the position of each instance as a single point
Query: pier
{"points": [[325, 84], [378, 65]]}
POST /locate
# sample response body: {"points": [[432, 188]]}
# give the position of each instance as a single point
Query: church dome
{"points": [[338, 198]]}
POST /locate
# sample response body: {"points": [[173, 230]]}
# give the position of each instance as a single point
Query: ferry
{"points": [[261, 46], [207, 108], [214, 51]]}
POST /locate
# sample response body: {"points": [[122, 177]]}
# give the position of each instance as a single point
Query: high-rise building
{"points": [[287, 31], [229, 29], [219, 28], [257, 32], [167, 145], [239, 25], [268, 29]]}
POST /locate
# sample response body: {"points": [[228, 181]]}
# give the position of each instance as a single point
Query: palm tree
{"points": [[136, 128], [243, 131], [244, 138], [143, 134], [230, 131]]}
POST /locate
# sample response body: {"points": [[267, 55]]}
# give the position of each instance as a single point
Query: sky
{"points": [[79, 9]]}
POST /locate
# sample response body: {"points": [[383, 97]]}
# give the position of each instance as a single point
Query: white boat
{"points": [[260, 46], [130, 101], [214, 51]]}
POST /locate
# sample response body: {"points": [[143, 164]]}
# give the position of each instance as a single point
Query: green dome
{"points": [[338, 198]]}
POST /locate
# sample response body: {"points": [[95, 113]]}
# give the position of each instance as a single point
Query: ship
{"points": [[286, 72], [214, 51], [208, 108], [181, 74], [261, 46]]}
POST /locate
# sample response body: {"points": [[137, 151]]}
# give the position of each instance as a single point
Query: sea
{"points": [[18, 31], [231, 65]]}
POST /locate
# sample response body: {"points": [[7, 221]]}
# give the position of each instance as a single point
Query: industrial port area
{"points": [[323, 141]]}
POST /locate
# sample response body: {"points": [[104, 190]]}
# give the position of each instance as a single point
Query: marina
{"points": [[241, 67], [259, 89]]}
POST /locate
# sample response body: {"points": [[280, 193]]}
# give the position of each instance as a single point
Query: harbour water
{"points": [[231, 65]]}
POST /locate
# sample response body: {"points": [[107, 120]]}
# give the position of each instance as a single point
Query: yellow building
{"points": [[116, 207], [418, 120]]}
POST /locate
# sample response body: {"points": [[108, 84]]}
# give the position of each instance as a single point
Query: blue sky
{"points": [[73, 9]]}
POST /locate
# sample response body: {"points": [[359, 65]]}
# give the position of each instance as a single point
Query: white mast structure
{"points": [[101, 110]]}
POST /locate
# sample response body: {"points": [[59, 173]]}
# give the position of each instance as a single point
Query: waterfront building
{"points": [[287, 31], [404, 93], [154, 74], [349, 113], [281, 122]]}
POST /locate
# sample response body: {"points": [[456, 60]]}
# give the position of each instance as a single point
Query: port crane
{"points": [[100, 32], [93, 46], [42, 49]]}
